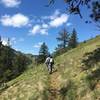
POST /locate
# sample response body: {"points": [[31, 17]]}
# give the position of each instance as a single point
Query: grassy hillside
{"points": [[73, 81], [31, 85], [69, 82]]}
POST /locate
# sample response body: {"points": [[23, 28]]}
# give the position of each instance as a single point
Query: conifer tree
{"points": [[73, 40], [63, 38], [43, 53]]}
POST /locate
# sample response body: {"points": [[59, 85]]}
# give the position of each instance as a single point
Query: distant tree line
{"points": [[12, 63], [66, 41]]}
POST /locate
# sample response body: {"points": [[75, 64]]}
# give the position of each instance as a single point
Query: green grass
{"points": [[34, 83], [69, 65], [31, 85]]}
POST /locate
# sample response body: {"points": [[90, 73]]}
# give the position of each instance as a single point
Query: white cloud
{"points": [[53, 16], [39, 29], [17, 20], [11, 3], [35, 29], [59, 20], [38, 45], [56, 19]]}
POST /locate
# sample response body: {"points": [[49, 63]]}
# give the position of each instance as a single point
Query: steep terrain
{"points": [[74, 84], [67, 82], [31, 85]]}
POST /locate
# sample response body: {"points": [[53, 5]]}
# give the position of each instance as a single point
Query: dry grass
{"points": [[29, 86], [68, 83]]}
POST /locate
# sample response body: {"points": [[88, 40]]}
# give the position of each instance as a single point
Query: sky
{"points": [[29, 23]]}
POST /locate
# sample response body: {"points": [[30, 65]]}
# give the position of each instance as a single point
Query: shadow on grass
{"points": [[68, 91], [93, 79], [90, 59], [54, 92], [63, 92]]}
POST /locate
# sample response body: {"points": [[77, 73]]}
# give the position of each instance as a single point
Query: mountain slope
{"points": [[29, 86], [73, 80], [67, 82]]}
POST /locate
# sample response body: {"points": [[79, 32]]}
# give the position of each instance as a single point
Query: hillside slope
{"points": [[74, 82], [68, 82], [31, 85]]}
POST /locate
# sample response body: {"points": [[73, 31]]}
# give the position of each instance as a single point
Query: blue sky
{"points": [[28, 23]]}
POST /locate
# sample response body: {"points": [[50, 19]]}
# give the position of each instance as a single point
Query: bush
{"points": [[91, 58], [12, 63]]}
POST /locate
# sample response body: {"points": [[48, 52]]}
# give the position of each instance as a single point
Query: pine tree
{"points": [[9, 56], [73, 40], [43, 53], [63, 38], [12, 63]]}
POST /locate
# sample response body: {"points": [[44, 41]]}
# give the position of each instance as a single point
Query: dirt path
{"points": [[54, 86]]}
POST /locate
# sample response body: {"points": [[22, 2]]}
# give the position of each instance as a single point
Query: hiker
{"points": [[49, 63]]}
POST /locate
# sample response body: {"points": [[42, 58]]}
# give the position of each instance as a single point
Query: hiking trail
{"points": [[54, 86]]}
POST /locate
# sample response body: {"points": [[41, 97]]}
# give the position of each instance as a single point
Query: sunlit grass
{"points": [[72, 84], [31, 85], [69, 65]]}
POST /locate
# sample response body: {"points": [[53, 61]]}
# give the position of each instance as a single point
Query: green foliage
{"points": [[60, 52], [74, 84], [43, 53], [68, 41], [12, 63], [63, 39], [91, 58], [73, 40], [95, 11]]}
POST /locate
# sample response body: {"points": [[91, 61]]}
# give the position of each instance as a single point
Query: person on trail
{"points": [[49, 63]]}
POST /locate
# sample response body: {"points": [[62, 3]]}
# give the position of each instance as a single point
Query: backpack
{"points": [[47, 61], [51, 60]]}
